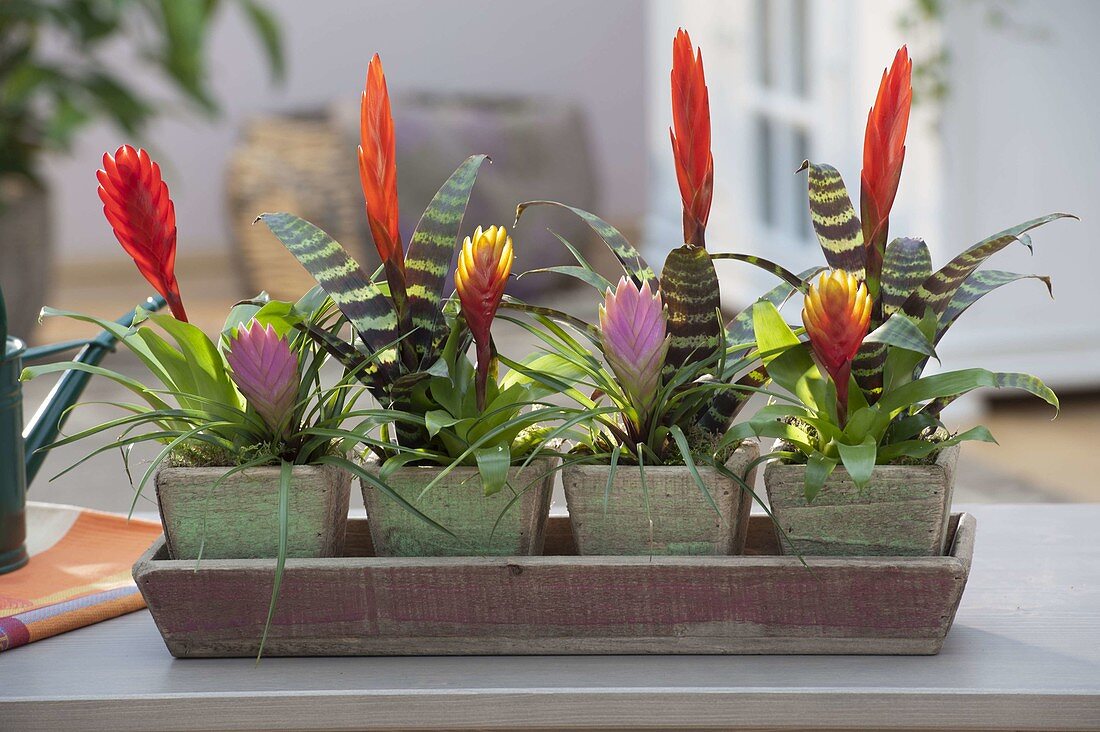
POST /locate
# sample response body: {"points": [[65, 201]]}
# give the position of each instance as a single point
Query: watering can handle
{"points": [[48, 420]]}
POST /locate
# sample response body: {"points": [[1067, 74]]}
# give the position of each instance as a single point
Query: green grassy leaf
{"points": [[285, 477], [632, 262]]}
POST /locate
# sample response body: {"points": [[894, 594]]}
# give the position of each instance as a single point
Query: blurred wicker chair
{"points": [[306, 164], [297, 164]]}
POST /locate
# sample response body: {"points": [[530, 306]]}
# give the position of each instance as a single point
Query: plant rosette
{"points": [[859, 423], [253, 446], [409, 349], [659, 378]]}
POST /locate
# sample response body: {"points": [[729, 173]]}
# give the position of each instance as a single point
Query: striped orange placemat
{"points": [[78, 573]]}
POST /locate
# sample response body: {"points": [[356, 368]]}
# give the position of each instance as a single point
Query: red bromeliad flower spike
{"points": [[137, 205], [883, 155], [378, 175], [690, 134], [837, 314]]}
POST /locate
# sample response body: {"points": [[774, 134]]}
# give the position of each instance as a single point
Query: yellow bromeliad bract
{"points": [[483, 268]]}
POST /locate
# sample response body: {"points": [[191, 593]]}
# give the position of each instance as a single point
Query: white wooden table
{"points": [[1024, 654]]}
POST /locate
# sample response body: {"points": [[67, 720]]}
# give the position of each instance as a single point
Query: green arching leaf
{"points": [[590, 330], [779, 271], [587, 276], [492, 465], [437, 419], [689, 285], [633, 263], [835, 221], [369, 310], [901, 332], [976, 286], [125, 335], [431, 250], [937, 292], [149, 395], [818, 470], [923, 448], [859, 460], [582, 271], [204, 359], [905, 266], [773, 335], [954, 383]]}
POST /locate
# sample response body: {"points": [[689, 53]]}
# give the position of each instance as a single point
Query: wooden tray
{"points": [[560, 603]]}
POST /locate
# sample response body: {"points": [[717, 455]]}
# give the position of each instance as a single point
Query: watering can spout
{"points": [[48, 420]]}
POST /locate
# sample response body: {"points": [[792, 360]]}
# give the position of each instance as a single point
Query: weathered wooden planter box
{"points": [[501, 524], [904, 511], [669, 515], [240, 517], [559, 603]]}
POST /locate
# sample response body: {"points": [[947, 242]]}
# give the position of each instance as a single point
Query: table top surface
{"points": [[1024, 652]]}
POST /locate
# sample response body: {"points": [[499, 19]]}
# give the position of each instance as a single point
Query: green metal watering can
{"points": [[23, 450]]}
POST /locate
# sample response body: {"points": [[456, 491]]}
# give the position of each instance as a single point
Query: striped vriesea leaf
{"points": [[369, 310], [977, 286], [906, 265], [834, 219], [429, 257], [937, 291], [724, 405], [633, 263], [768, 266], [689, 285]]}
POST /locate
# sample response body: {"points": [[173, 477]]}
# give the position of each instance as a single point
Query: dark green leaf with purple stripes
{"points": [[834, 219], [937, 291], [977, 286], [431, 250], [369, 310], [689, 286]]}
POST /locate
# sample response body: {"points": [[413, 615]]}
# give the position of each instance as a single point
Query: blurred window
{"points": [[779, 103]]}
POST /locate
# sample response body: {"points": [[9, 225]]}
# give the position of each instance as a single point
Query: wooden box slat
{"points": [[560, 603]]}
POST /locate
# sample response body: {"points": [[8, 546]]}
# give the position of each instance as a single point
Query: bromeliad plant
{"points": [[861, 399], [252, 398], [409, 345], [675, 377]]}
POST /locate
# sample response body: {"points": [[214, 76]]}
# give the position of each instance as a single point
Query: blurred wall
{"points": [[1019, 131], [589, 53]]}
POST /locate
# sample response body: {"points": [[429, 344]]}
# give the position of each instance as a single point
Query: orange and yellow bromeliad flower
{"points": [[483, 268], [837, 314]]}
